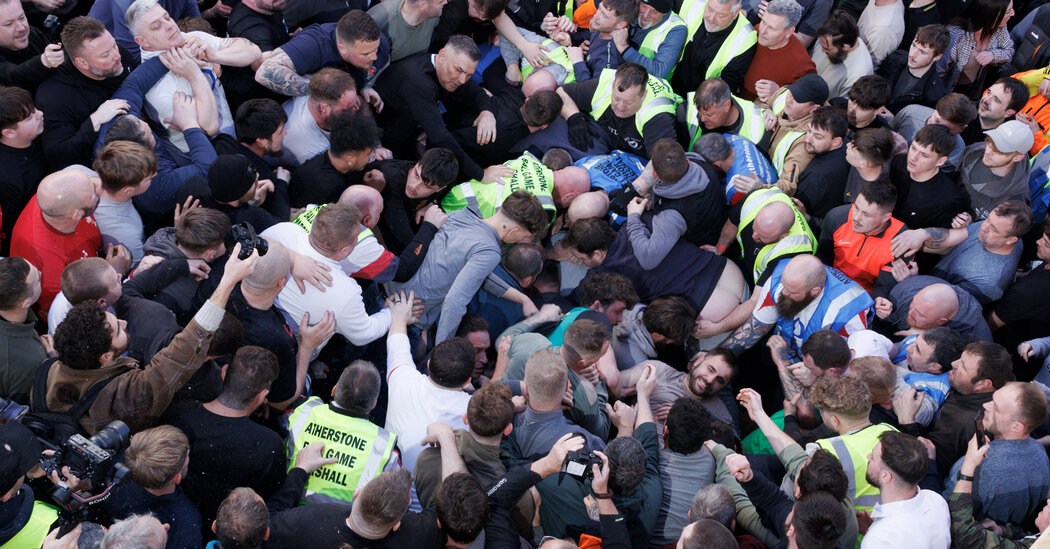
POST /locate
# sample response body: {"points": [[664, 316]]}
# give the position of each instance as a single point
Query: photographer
{"points": [[90, 343], [23, 522]]}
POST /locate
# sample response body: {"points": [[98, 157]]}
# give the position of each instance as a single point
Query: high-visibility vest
{"points": [[752, 128], [306, 221], [558, 56], [781, 151], [852, 451], [740, 39], [656, 36], [36, 528], [530, 175], [799, 239], [362, 448], [660, 99]]}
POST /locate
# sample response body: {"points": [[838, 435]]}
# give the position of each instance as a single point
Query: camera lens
{"points": [[113, 437]]}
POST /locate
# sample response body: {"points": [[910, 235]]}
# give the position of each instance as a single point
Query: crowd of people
{"points": [[490, 273]]}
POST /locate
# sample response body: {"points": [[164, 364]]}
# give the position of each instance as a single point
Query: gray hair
{"points": [[135, 532], [714, 147], [358, 387], [714, 502], [136, 11], [728, 2], [711, 92], [790, 10]]}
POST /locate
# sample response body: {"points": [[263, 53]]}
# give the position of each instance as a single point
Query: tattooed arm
{"points": [[746, 335], [935, 240], [277, 72], [783, 358]]}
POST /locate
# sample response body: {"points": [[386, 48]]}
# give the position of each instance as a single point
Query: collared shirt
{"points": [[923, 521]]}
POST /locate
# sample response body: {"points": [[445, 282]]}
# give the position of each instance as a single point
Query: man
{"points": [[1000, 102], [633, 107], [882, 27], [412, 90], [842, 57], [1004, 492], [95, 68], [707, 375], [712, 108], [261, 22], [323, 178], [896, 465], [125, 170], [409, 188], [229, 449], [259, 127], [1020, 315], [409, 24], [21, 154], [781, 58], [657, 42], [26, 522], [363, 448], [56, 228], [111, 14], [310, 116], [129, 394], [686, 467], [20, 346], [155, 32], [928, 359], [980, 257], [666, 322], [923, 301], [733, 156], [234, 188], [464, 252], [926, 195], [612, 17], [865, 100], [787, 148], [909, 72], [722, 47], [475, 329], [953, 111], [868, 156], [517, 270], [26, 58], [995, 171], [331, 239], [857, 239], [354, 44], [802, 297], [822, 183]]}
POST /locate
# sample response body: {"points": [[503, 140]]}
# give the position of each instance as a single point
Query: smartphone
{"points": [[982, 438]]}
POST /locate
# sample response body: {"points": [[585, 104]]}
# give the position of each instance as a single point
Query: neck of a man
{"points": [[780, 45], [921, 71], [1002, 171], [255, 7], [921, 177], [501, 224], [258, 299], [734, 114], [17, 143], [189, 254], [338, 163], [545, 406], [487, 441], [218, 408], [870, 173], [62, 225], [879, 229], [15, 316], [413, 13], [989, 123], [257, 149], [851, 424], [103, 193], [169, 489], [892, 493]]}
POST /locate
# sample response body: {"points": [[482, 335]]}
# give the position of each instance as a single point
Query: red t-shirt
{"points": [[783, 66], [49, 250]]}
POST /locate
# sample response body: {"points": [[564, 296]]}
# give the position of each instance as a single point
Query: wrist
{"points": [[721, 249]]}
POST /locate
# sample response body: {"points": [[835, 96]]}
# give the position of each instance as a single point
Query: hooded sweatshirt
{"points": [[986, 194], [632, 343]]}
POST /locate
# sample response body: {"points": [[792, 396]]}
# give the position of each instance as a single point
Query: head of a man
{"points": [[247, 379], [462, 508], [380, 504], [706, 534], [954, 111], [589, 241], [242, 520], [126, 169], [152, 26], [879, 376], [870, 148], [802, 281], [669, 162], [259, 123], [772, 222], [719, 14], [779, 23], [14, 27], [1005, 98], [358, 388], [91, 279], [1007, 223], [19, 284], [584, 343], [546, 380], [455, 63], [629, 90], [452, 363], [1007, 145], [873, 208], [933, 305], [817, 521], [589, 205], [825, 352], [614, 14], [931, 41], [651, 12], [897, 460], [475, 329], [353, 138], [136, 531], [935, 350], [844, 401], [199, 234], [669, 320], [608, 293], [490, 411], [827, 129], [20, 121], [158, 457], [91, 48], [717, 151], [358, 39], [541, 107], [435, 171], [867, 97], [626, 465], [1042, 246], [714, 502], [90, 338], [712, 373], [569, 183], [838, 35], [804, 96], [823, 472], [714, 103], [1016, 409], [929, 150], [333, 93], [528, 216], [485, 10], [982, 367], [685, 428], [335, 230], [65, 198]]}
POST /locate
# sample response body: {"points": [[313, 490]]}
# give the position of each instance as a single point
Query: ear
{"points": [[333, 392], [140, 41], [213, 528], [266, 536], [106, 358], [465, 422], [1010, 112], [9, 133], [597, 304], [1011, 241], [222, 373], [942, 160], [665, 431], [101, 303], [984, 385], [508, 429], [938, 58], [1017, 157], [398, 525], [527, 282], [836, 142], [936, 368]]}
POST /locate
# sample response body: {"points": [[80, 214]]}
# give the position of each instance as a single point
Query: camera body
{"points": [[91, 459], [244, 234], [578, 464]]}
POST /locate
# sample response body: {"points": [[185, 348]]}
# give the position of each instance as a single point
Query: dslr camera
{"points": [[245, 235], [91, 459], [577, 464]]}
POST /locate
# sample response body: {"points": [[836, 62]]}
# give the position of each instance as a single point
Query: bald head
{"points": [[592, 205], [932, 306], [367, 200], [271, 270], [67, 192], [772, 222], [539, 80], [570, 182], [805, 271]]}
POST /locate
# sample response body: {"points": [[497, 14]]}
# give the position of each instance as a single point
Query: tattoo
{"points": [[278, 74], [937, 237], [746, 336], [791, 385]]}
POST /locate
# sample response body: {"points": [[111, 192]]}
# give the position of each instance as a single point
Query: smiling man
{"points": [[1000, 102], [708, 374]]}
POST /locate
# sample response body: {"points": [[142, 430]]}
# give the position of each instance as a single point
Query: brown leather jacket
{"points": [[139, 395]]}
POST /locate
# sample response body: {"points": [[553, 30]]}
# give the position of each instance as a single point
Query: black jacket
{"points": [[931, 86], [23, 68]]}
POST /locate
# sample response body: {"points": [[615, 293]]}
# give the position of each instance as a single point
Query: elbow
{"points": [[260, 74]]}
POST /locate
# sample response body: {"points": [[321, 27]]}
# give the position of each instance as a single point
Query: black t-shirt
{"points": [[1025, 306], [266, 31], [317, 182], [623, 131], [268, 329], [821, 184], [24, 168], [323, 525], [932, 203], [855, 183], [226, 453]]}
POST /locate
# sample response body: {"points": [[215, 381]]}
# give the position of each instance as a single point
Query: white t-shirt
{"points": [[305, 139], [159, 97], [121, 221], [416, 401], [924, 521], [882, 28], [343, 298], [841, 76]]}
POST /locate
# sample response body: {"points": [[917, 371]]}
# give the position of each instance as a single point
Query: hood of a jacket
{"points": [[633, 330], [162, 243], [695, 180]]}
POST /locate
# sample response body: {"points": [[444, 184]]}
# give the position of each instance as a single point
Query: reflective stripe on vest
{"points": [[799, 239], [659, 99], [852, 451], [33, 533], [362, 448], [781, 151], [740, 39], [530, 175], [558, 55], [692, 12], [752, 128], [655, 37], [557, 337], [306, 221]]}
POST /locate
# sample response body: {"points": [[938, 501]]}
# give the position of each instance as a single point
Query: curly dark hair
{"points": [[688, 426], [83, 337], [626, 464], [462, 507]]}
